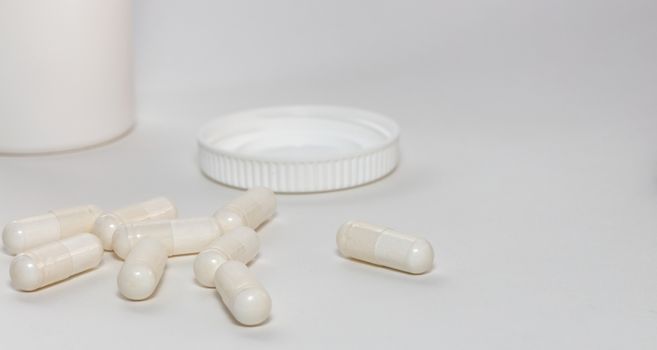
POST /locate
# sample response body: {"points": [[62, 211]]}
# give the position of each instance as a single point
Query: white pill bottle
{"points": [[66, 77]]}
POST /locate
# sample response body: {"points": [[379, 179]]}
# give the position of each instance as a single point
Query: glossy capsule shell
{"points": [[142, 269], [55, 261], [159, 208], [251, 209], [241, 244], [386, 247], [21, 235], [179, 237], [246, 299]]}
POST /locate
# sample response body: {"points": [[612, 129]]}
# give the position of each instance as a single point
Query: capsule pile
{"points": [[62, 243]]}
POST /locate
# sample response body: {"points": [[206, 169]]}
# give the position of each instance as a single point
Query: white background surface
{"points": [[529, 139]]}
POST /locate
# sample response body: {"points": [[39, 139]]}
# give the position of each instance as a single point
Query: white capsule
{"points": [[55, 261], [241, 244], [242, 294], [382, 246], [21, 235], [179, 237], [142, 270], [159, 208], [251, 209]]}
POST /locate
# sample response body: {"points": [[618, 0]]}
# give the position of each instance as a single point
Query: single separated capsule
{"points": [[21, 235], [243, 295], [142, 270], [241, 244], [383, 246], [179, 237], [154, 209], [56, 261], [251, 209]]}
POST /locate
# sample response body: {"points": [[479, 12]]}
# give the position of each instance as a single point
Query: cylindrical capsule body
{"points": [[142, 270], [242, 294], [159, 208], [55, 261], [241, 244], [179, 237], [251, 209], [382, 246], [21, 235]]}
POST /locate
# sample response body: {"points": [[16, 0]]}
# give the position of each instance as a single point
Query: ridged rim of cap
{"points": [[340, 171]]}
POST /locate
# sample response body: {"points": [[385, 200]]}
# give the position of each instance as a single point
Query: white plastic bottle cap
{"points": [[299, 148]]}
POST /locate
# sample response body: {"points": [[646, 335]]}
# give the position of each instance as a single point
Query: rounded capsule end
{"points": [[121, 243], [341, 237], [105, 227], [420, 258], [25, 274], [228, 220], [98, 247], [137, 281], [13, 238], [206, 265], [252, 306]]}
